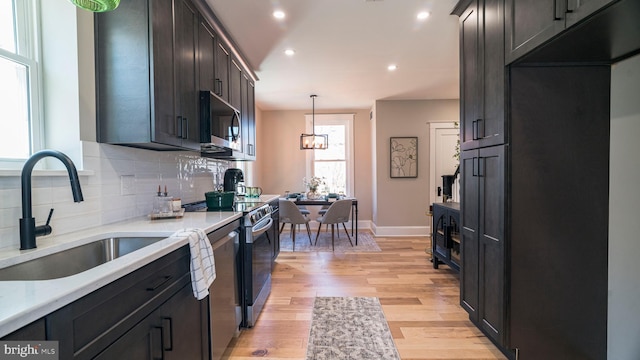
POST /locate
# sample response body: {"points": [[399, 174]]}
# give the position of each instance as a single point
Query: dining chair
{"points": [[290, 214], [337, 213]]}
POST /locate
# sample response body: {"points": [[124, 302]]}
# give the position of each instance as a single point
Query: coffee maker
{"points": [[234, 181]]}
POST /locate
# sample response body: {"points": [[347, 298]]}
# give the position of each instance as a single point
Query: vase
{"points": [[313, 195]]}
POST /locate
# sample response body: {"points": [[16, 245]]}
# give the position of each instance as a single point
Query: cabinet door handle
{"points": [[473, 129], [218, 87], [474, 166], [476, 129], [155, 343], [158, 283], [557, 12], [479, 134], [179, 126], [571, 5], [167, 334], [185, 128], [481, 163]]}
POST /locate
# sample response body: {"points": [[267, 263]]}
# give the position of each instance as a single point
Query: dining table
{"points": [[326, 201]]}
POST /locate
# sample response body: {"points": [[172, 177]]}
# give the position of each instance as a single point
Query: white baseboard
{"points": [[401, 230], [362, 225], [380, 230]]}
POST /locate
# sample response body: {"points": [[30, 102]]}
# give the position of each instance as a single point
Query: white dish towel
{"points": [[203, 265]]}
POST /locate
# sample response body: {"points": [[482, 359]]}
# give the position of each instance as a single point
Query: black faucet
{"points": [[28, 228]]}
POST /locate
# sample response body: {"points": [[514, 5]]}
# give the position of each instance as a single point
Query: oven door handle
{"points": [[261, 230]]}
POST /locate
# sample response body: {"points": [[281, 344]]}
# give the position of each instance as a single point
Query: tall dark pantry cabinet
{"points": [[535, 120], [482, 164]]}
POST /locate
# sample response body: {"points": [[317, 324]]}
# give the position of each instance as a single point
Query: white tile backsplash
{"points": [[186, 175]]}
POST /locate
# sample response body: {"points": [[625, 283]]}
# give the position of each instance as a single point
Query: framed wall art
{"points": [[404, 157]]}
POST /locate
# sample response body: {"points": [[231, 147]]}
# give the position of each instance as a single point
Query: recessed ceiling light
{"points": [[392, 67], [289, 52], [423, 15], [279, 14]]}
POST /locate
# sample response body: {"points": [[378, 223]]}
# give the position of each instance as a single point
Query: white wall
{"points": [[624, 213], [283, 164], [401, 203]]}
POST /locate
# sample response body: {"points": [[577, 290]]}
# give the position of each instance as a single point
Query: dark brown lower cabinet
{"points": [[482, 292], [150, 313], [33, 331], [167, 333]]}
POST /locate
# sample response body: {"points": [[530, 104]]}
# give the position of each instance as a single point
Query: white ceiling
{"points": [[343, 48]]}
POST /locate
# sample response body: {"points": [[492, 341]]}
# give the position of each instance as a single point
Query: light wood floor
{"points": [[421, 304]]}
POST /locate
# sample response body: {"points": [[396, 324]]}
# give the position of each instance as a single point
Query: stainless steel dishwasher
{"points": [[224, 302]]}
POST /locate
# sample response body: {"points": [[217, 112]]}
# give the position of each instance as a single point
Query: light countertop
{"points": [[22, 302]]}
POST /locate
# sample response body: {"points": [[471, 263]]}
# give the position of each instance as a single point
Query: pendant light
{"points": [[96, 5], [314, 141]]}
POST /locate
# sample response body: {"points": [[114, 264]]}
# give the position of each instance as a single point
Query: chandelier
{"points": [[314, 141]]}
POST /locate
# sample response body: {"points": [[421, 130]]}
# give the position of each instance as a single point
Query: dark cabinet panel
{"points": [[247, 114], [469, 79], [531, 23], [90, 324], [180, 320], [559, 210], [235, 85], [491, 256], [578, 10], [251, 110], [135, 102], [483, 258], [223, 62], [33, 331], [167, 333], [469, 216], [145, 86], [482, 74], [206, 57], [186, 32]]}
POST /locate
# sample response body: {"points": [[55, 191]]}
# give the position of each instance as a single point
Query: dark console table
{"points": [[445, 238]]}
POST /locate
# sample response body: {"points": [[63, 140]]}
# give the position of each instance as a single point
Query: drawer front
{"points": [[93, 322]]}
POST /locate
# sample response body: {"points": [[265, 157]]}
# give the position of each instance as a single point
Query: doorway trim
{"points": [[433, 126]]}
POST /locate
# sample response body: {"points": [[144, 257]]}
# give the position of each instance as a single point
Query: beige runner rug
{"points": [[350, 328]]}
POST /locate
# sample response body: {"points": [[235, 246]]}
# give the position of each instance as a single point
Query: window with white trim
{"points": [[335, 164], [20, 125]]}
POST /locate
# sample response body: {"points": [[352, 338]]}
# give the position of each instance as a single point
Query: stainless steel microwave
{"points": [[219, 124]]}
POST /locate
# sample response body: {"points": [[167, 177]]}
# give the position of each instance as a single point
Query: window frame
{"points": [[347, 120], [28, 50]]}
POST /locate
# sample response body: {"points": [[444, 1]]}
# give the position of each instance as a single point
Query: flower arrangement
{"points": [[313, 183]]}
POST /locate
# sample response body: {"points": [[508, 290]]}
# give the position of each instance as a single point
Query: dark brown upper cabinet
{"points": [[207, 39], [247, 120], [531, 23], [482, 87], [223, 63], [146, 88]]}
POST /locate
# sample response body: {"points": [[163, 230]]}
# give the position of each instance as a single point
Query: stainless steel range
{"points": [[254, 257], [257, 252]]}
